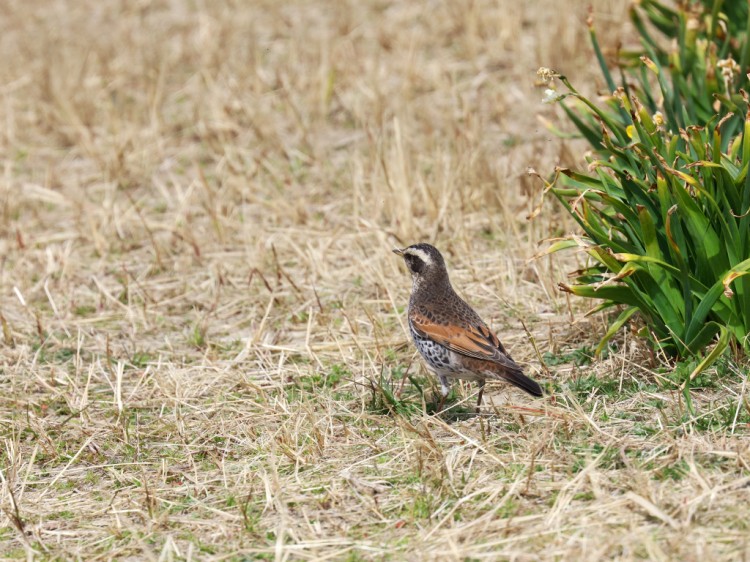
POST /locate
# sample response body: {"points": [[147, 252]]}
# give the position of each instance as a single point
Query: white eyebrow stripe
{"points": [[421, 254]]}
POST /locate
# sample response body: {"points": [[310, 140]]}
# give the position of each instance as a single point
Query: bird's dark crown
{"points": [[423, 259]]}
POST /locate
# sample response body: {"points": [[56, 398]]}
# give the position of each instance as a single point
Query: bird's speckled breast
{"points": [[437, 356]]}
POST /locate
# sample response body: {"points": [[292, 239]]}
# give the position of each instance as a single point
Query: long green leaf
{"points": [[713, 355], [615, 326]]}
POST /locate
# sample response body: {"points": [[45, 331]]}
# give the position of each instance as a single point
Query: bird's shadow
{"points": [[454, 409], [419, 396]]}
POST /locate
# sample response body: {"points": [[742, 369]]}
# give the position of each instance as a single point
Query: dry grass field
{"points": [[202, 320]]}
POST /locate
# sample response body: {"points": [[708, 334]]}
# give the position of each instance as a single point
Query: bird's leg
{"points": [[481, 391], [445, 388], [440, 404]]}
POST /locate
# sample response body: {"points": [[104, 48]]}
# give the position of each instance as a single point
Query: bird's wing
{"points": [[475, 340]]}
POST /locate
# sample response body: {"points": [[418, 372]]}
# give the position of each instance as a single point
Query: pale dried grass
{"points": [[198, 203]]}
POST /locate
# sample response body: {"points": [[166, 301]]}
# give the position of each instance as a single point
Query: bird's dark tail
{"points": [[517, 378]]}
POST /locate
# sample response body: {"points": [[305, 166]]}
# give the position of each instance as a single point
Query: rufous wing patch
{"points": [[474, 341]]}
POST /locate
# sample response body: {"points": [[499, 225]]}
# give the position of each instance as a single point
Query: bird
{"points": [[450, 336]]}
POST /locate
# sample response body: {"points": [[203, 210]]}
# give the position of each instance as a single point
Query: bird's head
{"points": [[424, 262]]}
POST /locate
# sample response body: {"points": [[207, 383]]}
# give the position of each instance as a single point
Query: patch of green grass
{"points": [[64, 354], [233, 346], [197, 336], [676, 471], [709, 379], [421, 508], [579, 357], [182, 505], [66, 514], [586, 454], [84, 310], [318, 381], [391, 394], [298, 359], [511, 471], [390, 356], [52, 355], [300, 317], [509, 509], [720, 416], [657, 403], [510, 141], [64, 484], [141, 359], [344, 396], [645, 430], [18, 553], [354, 556], [590, 385]]}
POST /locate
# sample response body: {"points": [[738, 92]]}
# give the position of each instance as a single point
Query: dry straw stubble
{"points": [[198, 203]]}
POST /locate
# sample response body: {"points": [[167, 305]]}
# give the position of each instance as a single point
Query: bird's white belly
{"points": [[457, 371]]}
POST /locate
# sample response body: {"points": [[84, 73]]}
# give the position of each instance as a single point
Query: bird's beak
{"points": [[398, 251]]}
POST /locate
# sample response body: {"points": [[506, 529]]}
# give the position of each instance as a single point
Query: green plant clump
{"points": [[665, 202], [702, 57]]}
